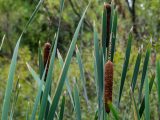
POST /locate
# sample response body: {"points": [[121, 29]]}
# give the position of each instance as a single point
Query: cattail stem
{"points": [[108, 84], [108, 15]]}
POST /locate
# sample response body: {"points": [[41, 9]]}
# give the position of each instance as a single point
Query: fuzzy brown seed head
{"points": [[107, 6], [46, 56], [108, 83]]}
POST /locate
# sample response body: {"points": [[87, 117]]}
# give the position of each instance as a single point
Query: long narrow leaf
{"points": [[27, 112], [48, 83], [98, 70], [136, 70], [145, 66], [64, 70], [61, 5], [7, 97], [79, 59], [96, 115], [15, 98], [39, 81], [33, 14], [147, 108], [125, 66], [142, 106], [9, 87], [37, 100], [114, 111], [104, 31], [77, 103], [114, 31], [135, 105], [62, 109], [158, 82], [67, 81], [41, 64], [95, 75]]}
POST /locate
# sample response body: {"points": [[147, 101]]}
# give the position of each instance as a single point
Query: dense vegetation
{"points": [[137, 33]]}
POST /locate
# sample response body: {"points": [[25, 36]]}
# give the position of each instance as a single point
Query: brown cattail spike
{"points": [[108, 11], [108, 83], [47, 48]]}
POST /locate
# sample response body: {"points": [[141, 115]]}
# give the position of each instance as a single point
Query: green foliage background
{"points": [[15, 14]]}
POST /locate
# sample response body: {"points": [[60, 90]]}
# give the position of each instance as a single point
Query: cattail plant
{"points": [[108, 16], [47, 48], [46, 55], [108, 83]]}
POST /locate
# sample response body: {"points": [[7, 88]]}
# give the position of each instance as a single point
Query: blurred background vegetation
{"points": [[143, 15]]}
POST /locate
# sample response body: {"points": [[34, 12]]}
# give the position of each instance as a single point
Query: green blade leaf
{"points": [[6, 104], [63, 74], [96, 76], [7, 97], [77, 103], [104, 31], [61, 5], [48, 83], [147, 108], [98, 53], [114, 111], [27, 112], [136, 70], [33, 14], [81, 68], [135, 105], [62, 109], [41, 82], [37, 100], [66, 81], [158, 82], [142, 106], [96, 115], [41, 64], [145, 66], [15, 98], [125, 66], [113, 34]]}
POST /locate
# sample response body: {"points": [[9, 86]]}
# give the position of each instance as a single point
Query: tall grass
{"points": [[101, 56]]}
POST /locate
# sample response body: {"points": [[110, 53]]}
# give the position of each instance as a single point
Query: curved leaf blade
{"points": [[77, 103], [125, 66], [142, 106], [81, 68], [145, 67], [62, 109], [147, 108], [64, 70], [135, 73], [67, 81]]}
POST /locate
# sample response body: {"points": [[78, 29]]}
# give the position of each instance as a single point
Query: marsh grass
{"points": [[56, 110]]}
